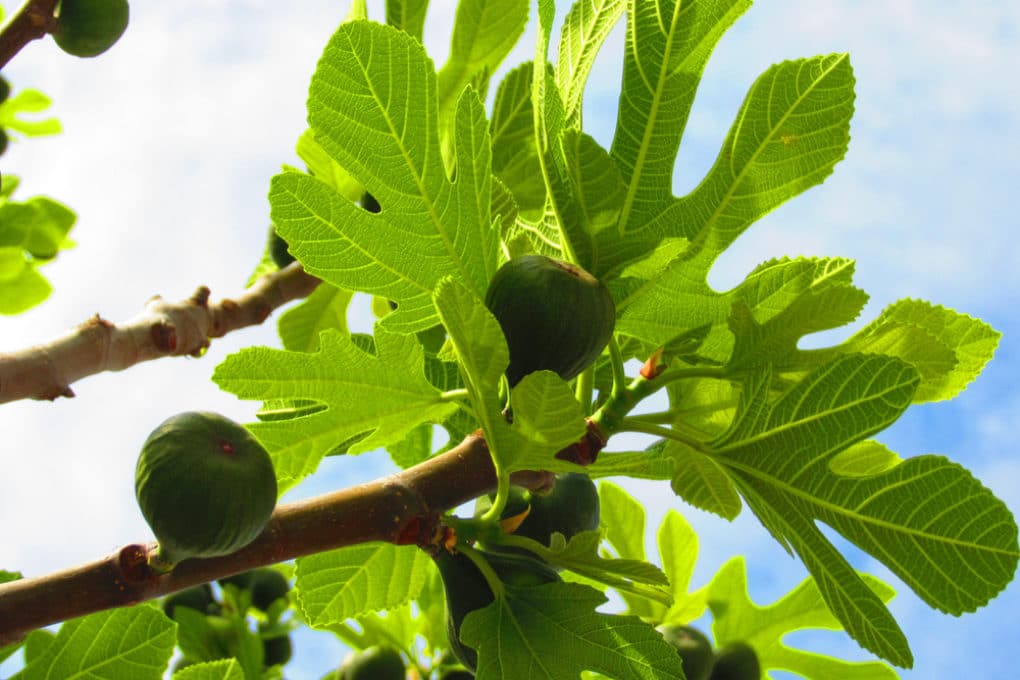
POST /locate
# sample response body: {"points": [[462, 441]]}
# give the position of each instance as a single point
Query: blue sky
{"points": [[170, 140]]}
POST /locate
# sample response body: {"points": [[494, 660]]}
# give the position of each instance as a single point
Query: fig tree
{"points": [[467, 590], [694, 648], [374, 663], [205, 486], [87, 28], [736, 661], [554, 314]]}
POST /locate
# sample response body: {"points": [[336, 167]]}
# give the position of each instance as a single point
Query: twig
{"points": [[162, 329], [402, 508], [34, 21]]}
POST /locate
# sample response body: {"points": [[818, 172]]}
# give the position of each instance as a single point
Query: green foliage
{"points": [[135, 642], [32, 232], [205, 485], [87, 28]]}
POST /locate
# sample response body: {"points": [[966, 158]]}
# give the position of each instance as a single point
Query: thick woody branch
{"points": [[162, 329], [402, 508], [34, 21]]}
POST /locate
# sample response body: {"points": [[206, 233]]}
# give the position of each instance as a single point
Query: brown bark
{"points": [[162, 329], [402, 508], [32, 22]]}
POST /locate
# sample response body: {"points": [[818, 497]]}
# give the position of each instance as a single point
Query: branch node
{"points": [[164, 336], [134, 568], [200, 297]]}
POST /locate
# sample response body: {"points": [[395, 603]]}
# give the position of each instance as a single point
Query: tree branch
{"points": [[402, 508], [34, 21], [162, 329]]}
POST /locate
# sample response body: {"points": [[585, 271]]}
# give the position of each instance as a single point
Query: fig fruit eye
{"points": [[555, 315], [87, 28], [205, 486]]}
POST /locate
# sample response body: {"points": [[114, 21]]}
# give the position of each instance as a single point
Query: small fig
{"points": [[200, 598], [572, 506], [736, 661], [267, 586], [694, 648], [5, 89], [87, 28], [278, 249], [374, 663], [467, 590], [555, 315], [3, 141], [205, 485], [457, 674], [276, 651]]}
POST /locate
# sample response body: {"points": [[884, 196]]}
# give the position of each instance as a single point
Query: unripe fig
{"points": [[276, 651], [694, 648], [5, 90], [200, 598], [3, 141], [87, 28], [467, 590], [457, 674], [736, 661], [555, 315], [278, 249], [572, 506], [374, 663], [267, 586], [205, 485]]}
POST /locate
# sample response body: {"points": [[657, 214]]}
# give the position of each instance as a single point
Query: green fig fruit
{"points": [[467, 590], [374, 663], [87, 28], [555, 315], [570, 507], [276, 651], [3, 141], [5, 90], [736, 661], [457, 674], [200, 598], [205, 485], [694, 648], [267, 586], [278, 249]]}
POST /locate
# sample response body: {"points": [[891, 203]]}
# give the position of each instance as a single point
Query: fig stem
{"points": [[585, 388], [633, 425], [616, 361]]}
